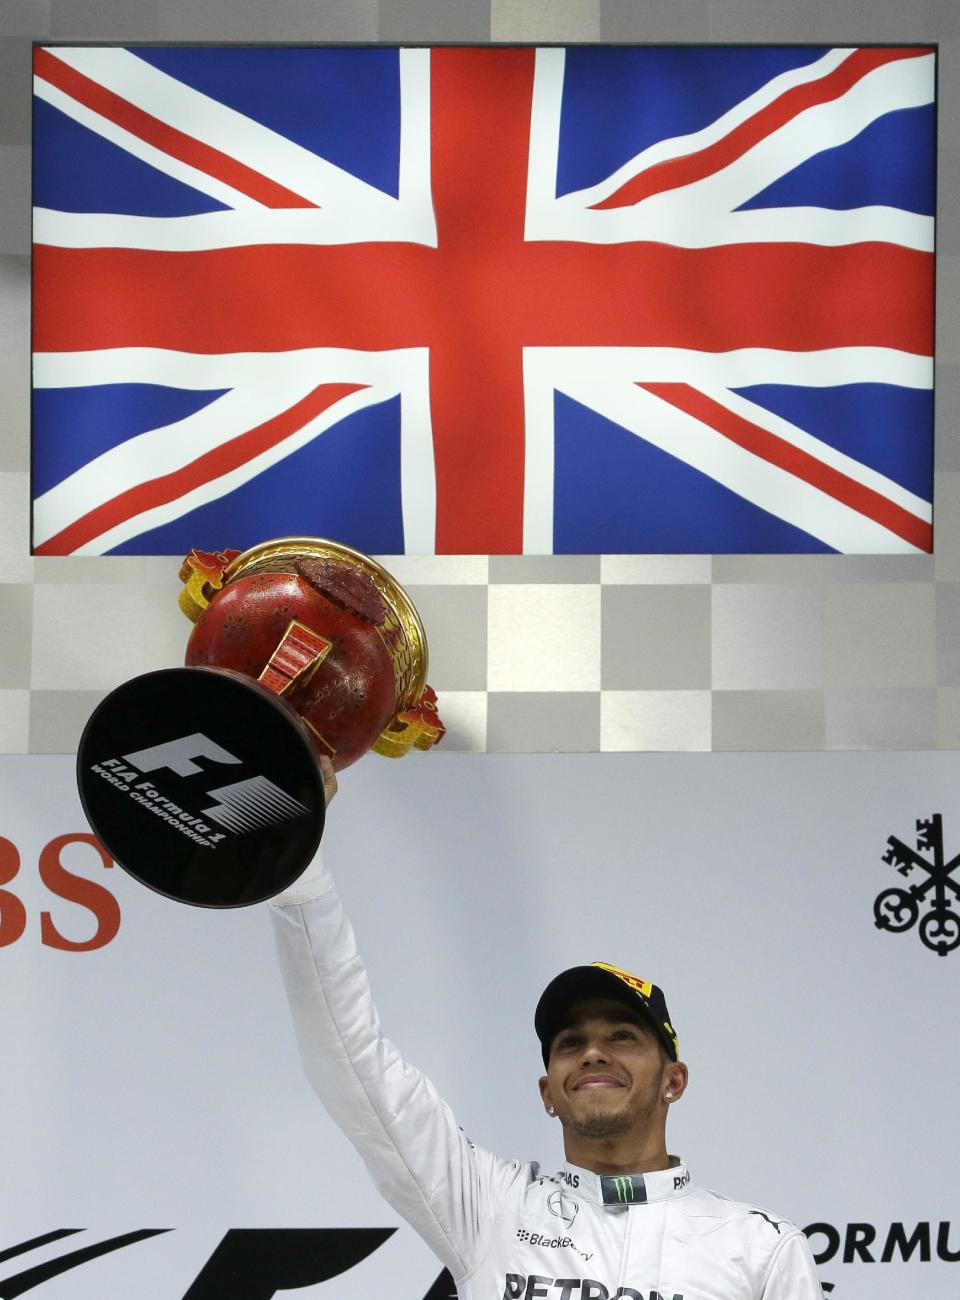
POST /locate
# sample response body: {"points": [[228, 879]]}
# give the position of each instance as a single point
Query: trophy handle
{"points": [[202, 575], [416, 728]]}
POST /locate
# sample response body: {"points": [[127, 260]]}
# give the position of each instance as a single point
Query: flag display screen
{"points": [[484, 300]]}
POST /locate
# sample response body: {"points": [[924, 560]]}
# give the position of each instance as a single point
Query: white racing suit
{"points": [[505, 1230]]}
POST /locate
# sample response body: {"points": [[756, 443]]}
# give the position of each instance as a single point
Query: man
{"points": [[621, 1219]]}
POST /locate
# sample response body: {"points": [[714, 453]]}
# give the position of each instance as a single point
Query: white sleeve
{"points": [[793, 1273], [420, 1160]]}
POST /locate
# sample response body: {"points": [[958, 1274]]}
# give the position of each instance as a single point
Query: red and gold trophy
{"points": [[203, 781], [326, 628]]}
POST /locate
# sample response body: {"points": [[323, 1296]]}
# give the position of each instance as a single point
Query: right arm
{"points": [[420, 1160]]}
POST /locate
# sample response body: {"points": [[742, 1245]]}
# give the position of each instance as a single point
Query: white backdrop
{"points": [[152, 1082]]}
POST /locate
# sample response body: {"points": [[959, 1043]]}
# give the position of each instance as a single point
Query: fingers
{"points": [[329, 779]]}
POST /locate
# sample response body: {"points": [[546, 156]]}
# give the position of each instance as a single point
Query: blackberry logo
{"points": [[541, 1239], [898, 910], [552, 1243]]}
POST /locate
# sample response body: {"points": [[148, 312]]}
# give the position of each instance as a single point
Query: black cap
{"points": [[601, 980]]}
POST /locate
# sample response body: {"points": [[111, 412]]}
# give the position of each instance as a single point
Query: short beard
{"points": [[611, 1123], [603, 1126]]}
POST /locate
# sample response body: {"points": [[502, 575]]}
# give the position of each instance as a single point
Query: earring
{"points": [[668, 1096], [551, 1111]]}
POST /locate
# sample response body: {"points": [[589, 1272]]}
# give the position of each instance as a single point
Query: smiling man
{"points": [[611, 1056], [620, 1220]]}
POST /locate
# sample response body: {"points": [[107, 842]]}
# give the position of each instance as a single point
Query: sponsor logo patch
{"points": [[518, 1286], [546, 1242], [563, 1206]]}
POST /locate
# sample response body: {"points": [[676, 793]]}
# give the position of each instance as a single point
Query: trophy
{"points": [[202, 782]]}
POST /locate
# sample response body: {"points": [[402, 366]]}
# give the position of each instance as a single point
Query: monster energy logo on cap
{"points": [[627, 1189]]}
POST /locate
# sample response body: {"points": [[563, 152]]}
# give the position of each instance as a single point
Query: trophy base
{"points": [[202, 785]]}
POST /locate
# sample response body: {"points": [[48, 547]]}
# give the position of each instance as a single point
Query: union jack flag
{"points": [[484, 300]]}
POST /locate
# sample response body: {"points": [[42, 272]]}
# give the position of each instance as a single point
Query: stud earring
{"points": [[551, 1111], [668, 1096]]}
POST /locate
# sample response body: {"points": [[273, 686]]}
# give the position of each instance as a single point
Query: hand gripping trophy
{"points": [[203, 781]]}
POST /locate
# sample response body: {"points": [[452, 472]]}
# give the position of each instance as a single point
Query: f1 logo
{"points": [[242, 806], [178, 755]]}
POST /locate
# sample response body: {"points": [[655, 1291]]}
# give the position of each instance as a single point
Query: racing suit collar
{"points": [[628, 1189]]}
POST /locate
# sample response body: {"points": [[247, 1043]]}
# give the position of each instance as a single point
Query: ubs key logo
{"points": [[898, 910]]}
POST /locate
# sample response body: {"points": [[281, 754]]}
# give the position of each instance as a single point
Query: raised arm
{"points": [[418, 1157]]}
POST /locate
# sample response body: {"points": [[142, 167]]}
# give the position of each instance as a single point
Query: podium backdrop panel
{"points": [[159, 1134]]}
